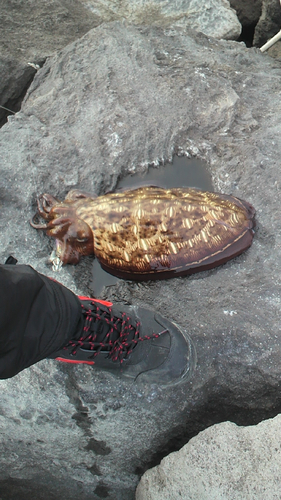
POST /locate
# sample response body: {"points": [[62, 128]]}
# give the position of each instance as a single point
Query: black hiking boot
{"points": [[135, 343]]}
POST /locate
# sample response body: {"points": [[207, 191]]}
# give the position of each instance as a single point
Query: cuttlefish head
{"points": [[73, 236]]}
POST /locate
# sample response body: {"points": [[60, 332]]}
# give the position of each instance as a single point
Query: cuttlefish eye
{"points": [[83, 240], [79, 232], [80, 236], [83, 236], [76, 241]]}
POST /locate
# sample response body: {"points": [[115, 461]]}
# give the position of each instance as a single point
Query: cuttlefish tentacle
{"points": [[149, 232]]}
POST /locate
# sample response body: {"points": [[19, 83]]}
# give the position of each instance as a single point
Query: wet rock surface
{"points": [[243, 466], [117, 100]]}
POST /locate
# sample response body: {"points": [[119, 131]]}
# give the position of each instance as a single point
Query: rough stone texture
{"points": [[56, 23], [248, 12], [269, 23], [116, 100], [224, 462], [30, 31], [212, 17], [275, 51]]}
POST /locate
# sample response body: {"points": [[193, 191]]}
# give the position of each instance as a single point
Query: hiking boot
{"points": [[135, 343]]}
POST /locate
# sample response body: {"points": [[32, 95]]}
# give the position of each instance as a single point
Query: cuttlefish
{"points": [[148, 232]]}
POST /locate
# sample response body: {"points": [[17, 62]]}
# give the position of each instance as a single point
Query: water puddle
{"points": [[182, 172]]}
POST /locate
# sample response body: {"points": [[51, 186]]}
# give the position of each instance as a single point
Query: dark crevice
{"points": [[248, 14], [13, 104], [247, 35], [215, 412]]}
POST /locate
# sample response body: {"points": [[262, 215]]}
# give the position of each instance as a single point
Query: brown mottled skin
{"points": [[149, 232]]}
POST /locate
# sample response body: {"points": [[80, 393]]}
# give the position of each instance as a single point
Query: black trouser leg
{"points": [[37, 317]]}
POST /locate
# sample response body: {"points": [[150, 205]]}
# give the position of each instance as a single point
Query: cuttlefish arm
{"points": [[45, 203], [73, 236]]}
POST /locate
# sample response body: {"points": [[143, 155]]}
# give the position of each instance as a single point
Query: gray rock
{"points": [[224, 462], [213, 17], [269, 23], [55, 24], [248, 12], [117, 100], [31, 30], [275, 51]]}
